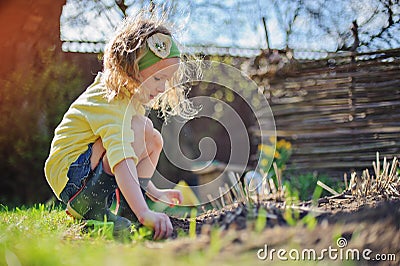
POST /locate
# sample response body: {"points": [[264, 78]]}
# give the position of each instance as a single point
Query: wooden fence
{"points": [[337, 112]]}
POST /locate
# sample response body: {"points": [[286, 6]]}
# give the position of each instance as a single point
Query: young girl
{"points": [[104, 142]]}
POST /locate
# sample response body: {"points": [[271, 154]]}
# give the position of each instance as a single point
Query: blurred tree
{"points": [[367, 25], [326, 25]]}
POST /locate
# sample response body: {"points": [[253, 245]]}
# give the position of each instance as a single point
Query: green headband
{"points": [[160, 46]]}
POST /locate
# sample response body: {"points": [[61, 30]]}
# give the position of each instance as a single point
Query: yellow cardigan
{"points": [[90, 117]]}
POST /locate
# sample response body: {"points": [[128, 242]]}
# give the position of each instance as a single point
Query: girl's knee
{"points": [[157, 140], [148, 127], [141, 123], [147, 139], [154, 140]]}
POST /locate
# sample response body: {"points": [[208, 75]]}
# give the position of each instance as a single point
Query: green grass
{"points": [[47, 236], [43, 235]]}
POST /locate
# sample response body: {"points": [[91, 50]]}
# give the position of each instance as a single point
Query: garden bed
{"points": [[360, 225], [363, 218]]}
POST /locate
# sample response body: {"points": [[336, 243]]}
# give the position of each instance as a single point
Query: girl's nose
{"points": [[161, 88]]}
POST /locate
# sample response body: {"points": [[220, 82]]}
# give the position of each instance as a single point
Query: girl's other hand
{"points": [[171, 197]]}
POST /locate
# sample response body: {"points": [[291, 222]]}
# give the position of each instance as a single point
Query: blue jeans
{"points": [[78, 172]]}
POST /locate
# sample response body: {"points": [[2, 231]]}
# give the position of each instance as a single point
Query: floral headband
{"points": [[160, 46]]}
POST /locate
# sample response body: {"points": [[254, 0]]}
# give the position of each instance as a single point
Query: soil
{"points": [[336, 208], [371, 222]]}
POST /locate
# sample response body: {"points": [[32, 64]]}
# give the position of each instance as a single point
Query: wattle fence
{"points": [[337, 112]]}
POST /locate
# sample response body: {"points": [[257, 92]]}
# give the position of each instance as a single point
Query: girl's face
{"points": [[154, 77]]}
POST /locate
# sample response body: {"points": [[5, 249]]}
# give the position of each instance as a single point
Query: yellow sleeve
{"points": [[112, 123]]}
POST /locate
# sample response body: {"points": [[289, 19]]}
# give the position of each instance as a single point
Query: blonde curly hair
{"points": [[121, 70]]}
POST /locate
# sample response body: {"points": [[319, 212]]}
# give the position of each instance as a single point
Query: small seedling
{"points": [[192, 225], [142, 233], [316, 195], [261, 220], [310, 221]]}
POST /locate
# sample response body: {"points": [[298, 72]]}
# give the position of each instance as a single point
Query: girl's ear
{"points": [[140, 77]]}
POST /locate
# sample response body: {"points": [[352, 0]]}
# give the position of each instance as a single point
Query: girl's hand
{"points": [[169, 196], [160, 222]]}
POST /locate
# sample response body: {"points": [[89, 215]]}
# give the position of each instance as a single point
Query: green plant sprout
{"points": [[141, 233], [192, 225], [316, 195], [261, 220], [215, 242]]}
